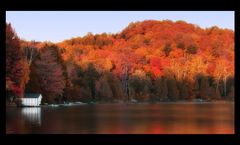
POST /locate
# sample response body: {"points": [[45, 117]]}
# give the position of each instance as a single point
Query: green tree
{"points": [[105, 92], [183, 89], [192, 49], [160, 88], [167, 49], [137, 85], [87, 80], [204, 88], [33, 86], [231, 94], [173, 92], [116, 86], [91, 75]]}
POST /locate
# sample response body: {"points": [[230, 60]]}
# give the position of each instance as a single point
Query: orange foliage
{"points": [[141, 45]]}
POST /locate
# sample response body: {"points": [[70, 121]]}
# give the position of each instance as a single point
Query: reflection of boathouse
{"points": [[32, 114]]}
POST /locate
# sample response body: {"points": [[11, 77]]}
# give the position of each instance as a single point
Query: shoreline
{"points": [[129, 103]]}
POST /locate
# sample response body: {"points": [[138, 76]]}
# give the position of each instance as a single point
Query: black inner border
{"points": [[122, 5]]}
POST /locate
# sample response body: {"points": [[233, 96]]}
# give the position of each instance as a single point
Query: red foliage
{"points": [[211, 68], [50, 71], [15, 71], [140, 46]]}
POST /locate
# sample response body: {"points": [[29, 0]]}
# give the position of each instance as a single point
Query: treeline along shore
{"points": [[148, 61]]}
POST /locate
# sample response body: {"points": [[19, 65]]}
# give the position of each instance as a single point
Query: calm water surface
{"points": [[123, 119]]}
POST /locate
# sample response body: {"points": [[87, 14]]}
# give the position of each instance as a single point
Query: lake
{"points": [[161, 118]]}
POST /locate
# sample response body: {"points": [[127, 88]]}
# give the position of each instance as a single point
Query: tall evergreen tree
{"points": [[173, 92], [160, 88], [204, 88], [105, 91]]}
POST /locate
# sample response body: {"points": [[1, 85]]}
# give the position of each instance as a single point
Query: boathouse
{"points": [[31, 99]]}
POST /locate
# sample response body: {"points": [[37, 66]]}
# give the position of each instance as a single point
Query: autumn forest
{"points": [[148, 61]]}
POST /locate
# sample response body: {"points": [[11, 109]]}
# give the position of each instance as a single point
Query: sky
{"points": [[56, 26]]}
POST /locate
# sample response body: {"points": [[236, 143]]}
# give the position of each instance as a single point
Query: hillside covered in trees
{"points": [[147, 61]]}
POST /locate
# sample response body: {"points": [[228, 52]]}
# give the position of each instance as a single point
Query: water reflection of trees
{"points": [[32, 115], [132, 118]]}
